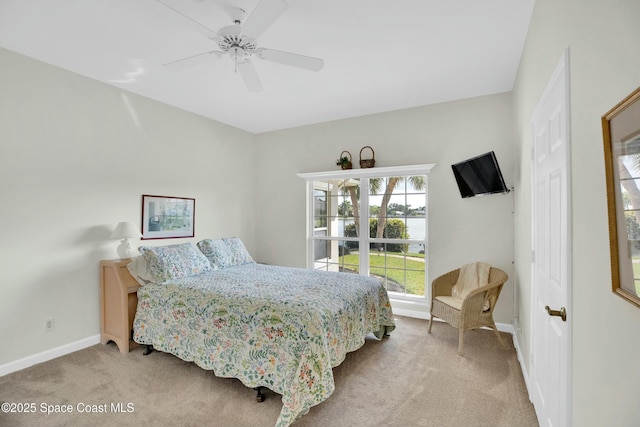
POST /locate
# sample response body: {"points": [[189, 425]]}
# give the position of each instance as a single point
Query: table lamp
{"points": [[126, 231]]}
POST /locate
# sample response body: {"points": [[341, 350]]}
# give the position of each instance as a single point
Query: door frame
{"points": [[561, 74]]}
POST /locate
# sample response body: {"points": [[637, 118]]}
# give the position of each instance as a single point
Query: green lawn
{"points": [[636, 275], [407, 278], [415, 255]]}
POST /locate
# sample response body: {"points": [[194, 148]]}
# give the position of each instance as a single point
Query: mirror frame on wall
{"points": [[621, 135]]}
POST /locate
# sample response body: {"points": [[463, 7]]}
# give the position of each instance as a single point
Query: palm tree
{"points": [[351, 188], [418, 182], [345, 208], [375, 184]]}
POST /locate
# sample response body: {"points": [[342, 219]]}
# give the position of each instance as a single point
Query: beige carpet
{"points": [[409, 379]]}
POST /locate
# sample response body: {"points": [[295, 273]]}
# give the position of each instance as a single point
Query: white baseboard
{"points": [[408, 308], [523, 367], [25, 362], [411, 313], [505, 327]]}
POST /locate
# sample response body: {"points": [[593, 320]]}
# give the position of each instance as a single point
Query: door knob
{"points": [[560, 313]]}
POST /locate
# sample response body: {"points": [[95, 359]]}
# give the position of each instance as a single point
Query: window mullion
{"points": [[310, 224], [364, 227], [427, 288]]}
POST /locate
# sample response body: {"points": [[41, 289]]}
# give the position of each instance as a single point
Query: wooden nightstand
{"points": [[118, 303]]}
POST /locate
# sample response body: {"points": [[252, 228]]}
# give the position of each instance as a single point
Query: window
{"points": [[372, 222], [320, 221], [320, 208], [333, 212], [397, 232]]}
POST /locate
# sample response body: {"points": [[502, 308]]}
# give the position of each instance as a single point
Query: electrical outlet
{"points": [[49, 324]]}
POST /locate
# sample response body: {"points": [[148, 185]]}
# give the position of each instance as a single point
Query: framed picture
{"points": [[621, 135], [167, 217]]}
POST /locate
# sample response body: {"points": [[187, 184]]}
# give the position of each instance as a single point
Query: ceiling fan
{"points": [[239, 42]]}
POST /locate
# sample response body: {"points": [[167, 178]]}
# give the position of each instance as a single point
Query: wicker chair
{"points": [[472, 314]]}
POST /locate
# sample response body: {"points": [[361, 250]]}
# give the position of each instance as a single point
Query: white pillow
{"points": [[139, 269]]}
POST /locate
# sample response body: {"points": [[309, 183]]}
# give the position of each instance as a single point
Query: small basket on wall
{"points": [[368, 163], [344, 161]]}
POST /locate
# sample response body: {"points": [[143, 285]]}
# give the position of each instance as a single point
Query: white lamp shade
{"points": [[125, 231]]}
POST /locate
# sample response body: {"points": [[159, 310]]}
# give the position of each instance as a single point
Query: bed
{"points": [[268, 326]]}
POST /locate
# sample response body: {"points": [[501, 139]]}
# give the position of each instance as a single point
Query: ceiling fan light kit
{"points": [[231, 37], [239, 42]]}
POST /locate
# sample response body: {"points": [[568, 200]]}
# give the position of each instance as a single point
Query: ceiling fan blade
{"points": [[226, 6], [250, 77], [293, 59], [265, 13], [190, 61], [189, 21]]}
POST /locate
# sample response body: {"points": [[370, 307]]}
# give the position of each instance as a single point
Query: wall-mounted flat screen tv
{"points": [[479, 175]]}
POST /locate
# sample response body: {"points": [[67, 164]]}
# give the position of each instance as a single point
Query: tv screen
{"points": [[479, 175]]}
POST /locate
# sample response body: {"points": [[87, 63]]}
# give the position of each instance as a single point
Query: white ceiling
{"points": [[379, 55]]}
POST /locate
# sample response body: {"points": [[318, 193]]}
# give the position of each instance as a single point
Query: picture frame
{"points": [[621, 136], [166, 217]]}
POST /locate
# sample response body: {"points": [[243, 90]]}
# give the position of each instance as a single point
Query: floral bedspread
{"points": [[282, 328]]}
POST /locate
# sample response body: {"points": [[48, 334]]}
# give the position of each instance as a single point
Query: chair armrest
{"points": [[441, 286], [473, 304]]}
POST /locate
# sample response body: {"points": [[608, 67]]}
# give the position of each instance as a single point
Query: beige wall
{"points": [[603, 39], [460, 230], [75, 157]]}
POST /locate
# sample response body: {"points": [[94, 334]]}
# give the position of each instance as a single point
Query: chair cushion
{"points": [[456, 302], [453, 302]]}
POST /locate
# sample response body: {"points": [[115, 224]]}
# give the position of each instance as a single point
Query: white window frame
{"points": [[364, 175]]}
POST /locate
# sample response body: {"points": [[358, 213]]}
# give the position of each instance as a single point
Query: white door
{"points": [[551, 269]]}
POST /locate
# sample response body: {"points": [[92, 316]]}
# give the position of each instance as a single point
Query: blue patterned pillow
{"points": [[215, 250], [223, 253], [238, 254], [174, 261]]}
